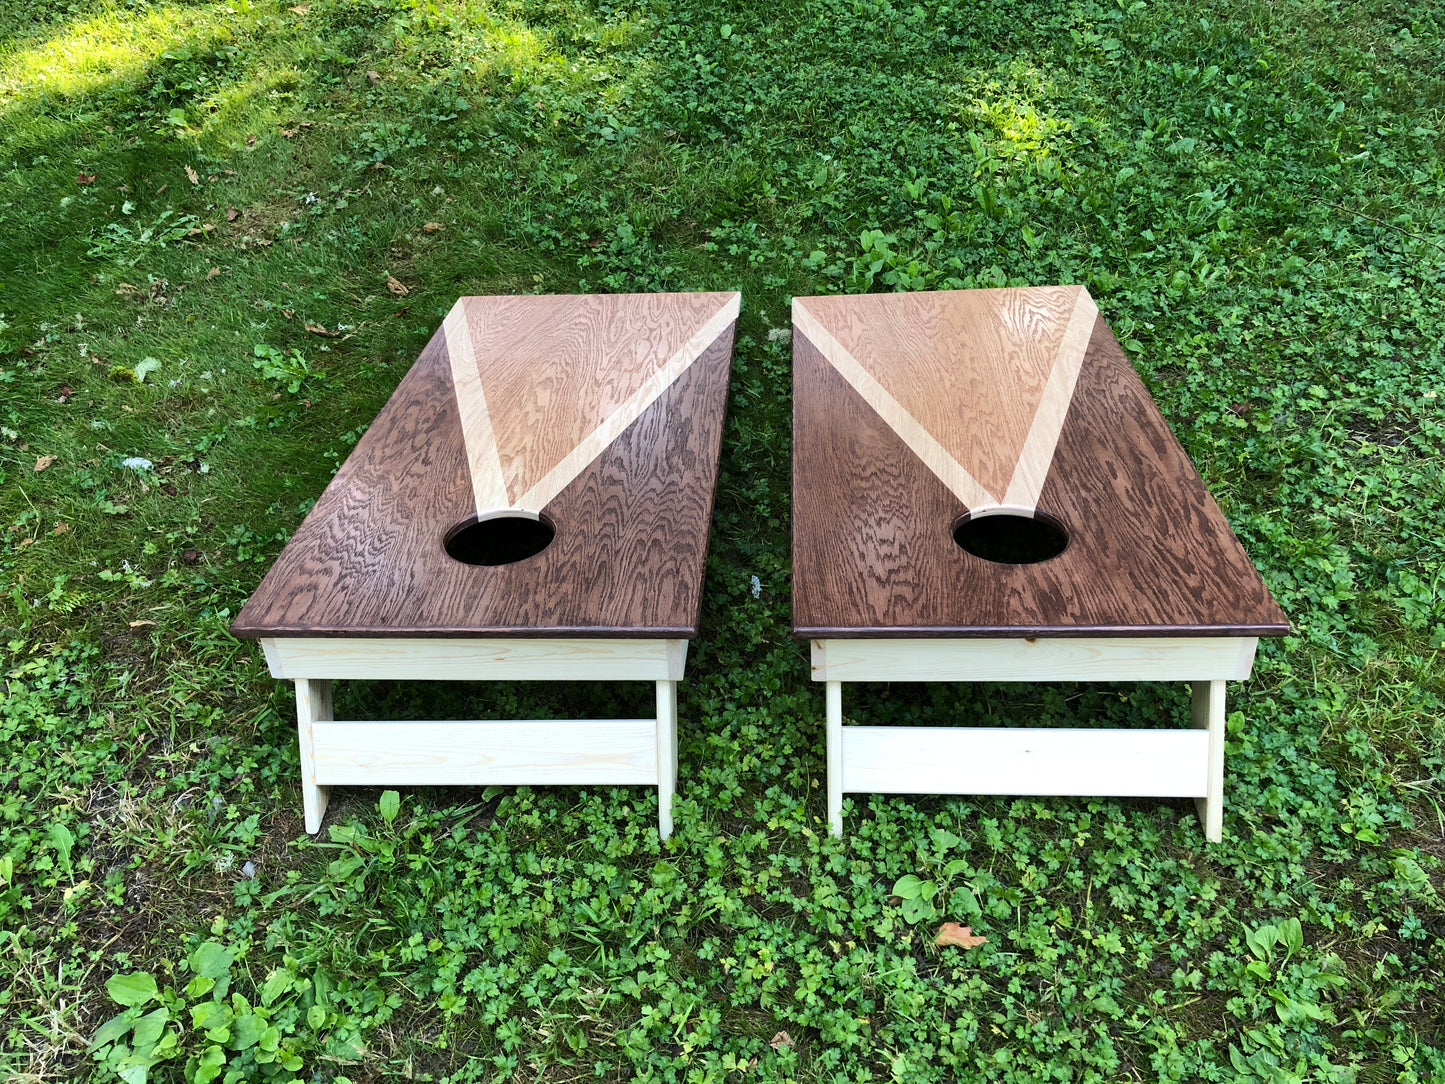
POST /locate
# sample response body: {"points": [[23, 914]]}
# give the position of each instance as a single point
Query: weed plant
{"points": [[226, 229]]}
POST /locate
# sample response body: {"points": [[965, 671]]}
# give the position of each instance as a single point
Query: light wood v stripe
{"points": [[1037, 454], [489, 489], [488, 486], [934, 455]]}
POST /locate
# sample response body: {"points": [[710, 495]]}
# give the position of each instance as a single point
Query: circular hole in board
{"points": [[1011, 538], [501, 540]]}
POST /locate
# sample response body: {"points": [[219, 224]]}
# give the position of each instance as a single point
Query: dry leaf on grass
{"points": [[432, 227], [317, 329], [191, 557], [780, 1040], [61, 528], [84, 178], [397, 287], [373, 77], [299, 9], [44, 461], [951, 933], [212, 273], [250, 141], [141, 624], [232, 214], [195, 178]]}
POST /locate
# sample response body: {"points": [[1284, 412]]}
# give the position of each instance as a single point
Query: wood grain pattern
{"points": [[1042, 760], [1149, 554], [1093, 658], [556, 369], [631, 528], [535, 751], [970, 367], [389, 658]]}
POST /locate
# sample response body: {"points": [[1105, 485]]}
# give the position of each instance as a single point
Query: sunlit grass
{"points": [[98, 52]]}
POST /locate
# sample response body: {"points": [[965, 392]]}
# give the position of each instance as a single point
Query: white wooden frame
{"points": [[949, 760], [534, 751]]}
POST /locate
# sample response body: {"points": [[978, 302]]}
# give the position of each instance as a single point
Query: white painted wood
{"points": [[313, 709], [536, 751], [676, 658], [273, 660], [1091, 658], [959, 760], [666, 755], [1207, 709], [476, 659], [834, 698]]}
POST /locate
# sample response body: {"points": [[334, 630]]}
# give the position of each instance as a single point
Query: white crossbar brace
{"points": [[383, 658], [535, 751], [1046, 760]]}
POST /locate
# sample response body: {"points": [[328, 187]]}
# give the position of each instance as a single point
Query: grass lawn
{"points": [[226, 229]]}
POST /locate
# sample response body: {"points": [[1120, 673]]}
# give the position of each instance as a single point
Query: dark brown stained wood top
{"points": [[631, 524], [1149, 554]]}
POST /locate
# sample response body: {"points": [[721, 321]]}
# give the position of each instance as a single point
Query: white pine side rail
{"points": [[382, 658], [1084, 658]]}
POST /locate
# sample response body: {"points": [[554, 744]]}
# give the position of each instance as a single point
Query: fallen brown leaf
{"points": [[141, 624], [250, 141], [232, 214], [161, 189], [780, 1040], [397, 287], [84, 178], [44, 461], [317, 329], [65, 394], [299, 9], [432, 227], [194, 177], [26, 542], [191, 557], [951, 933], [61, 528], [290, 314], [373, 77], [212, 273], [288, 132]]}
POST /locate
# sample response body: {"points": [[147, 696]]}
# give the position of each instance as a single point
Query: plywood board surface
{"points": [[601, 415], [911, 410]]}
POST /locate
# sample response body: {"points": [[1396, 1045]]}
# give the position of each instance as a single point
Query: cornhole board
{"points": [[920, 415], [596, 420]]}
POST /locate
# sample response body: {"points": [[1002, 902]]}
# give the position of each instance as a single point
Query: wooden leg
{"points": [[666, 754], [313, 705], [1208, 711], [834, 697]]}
